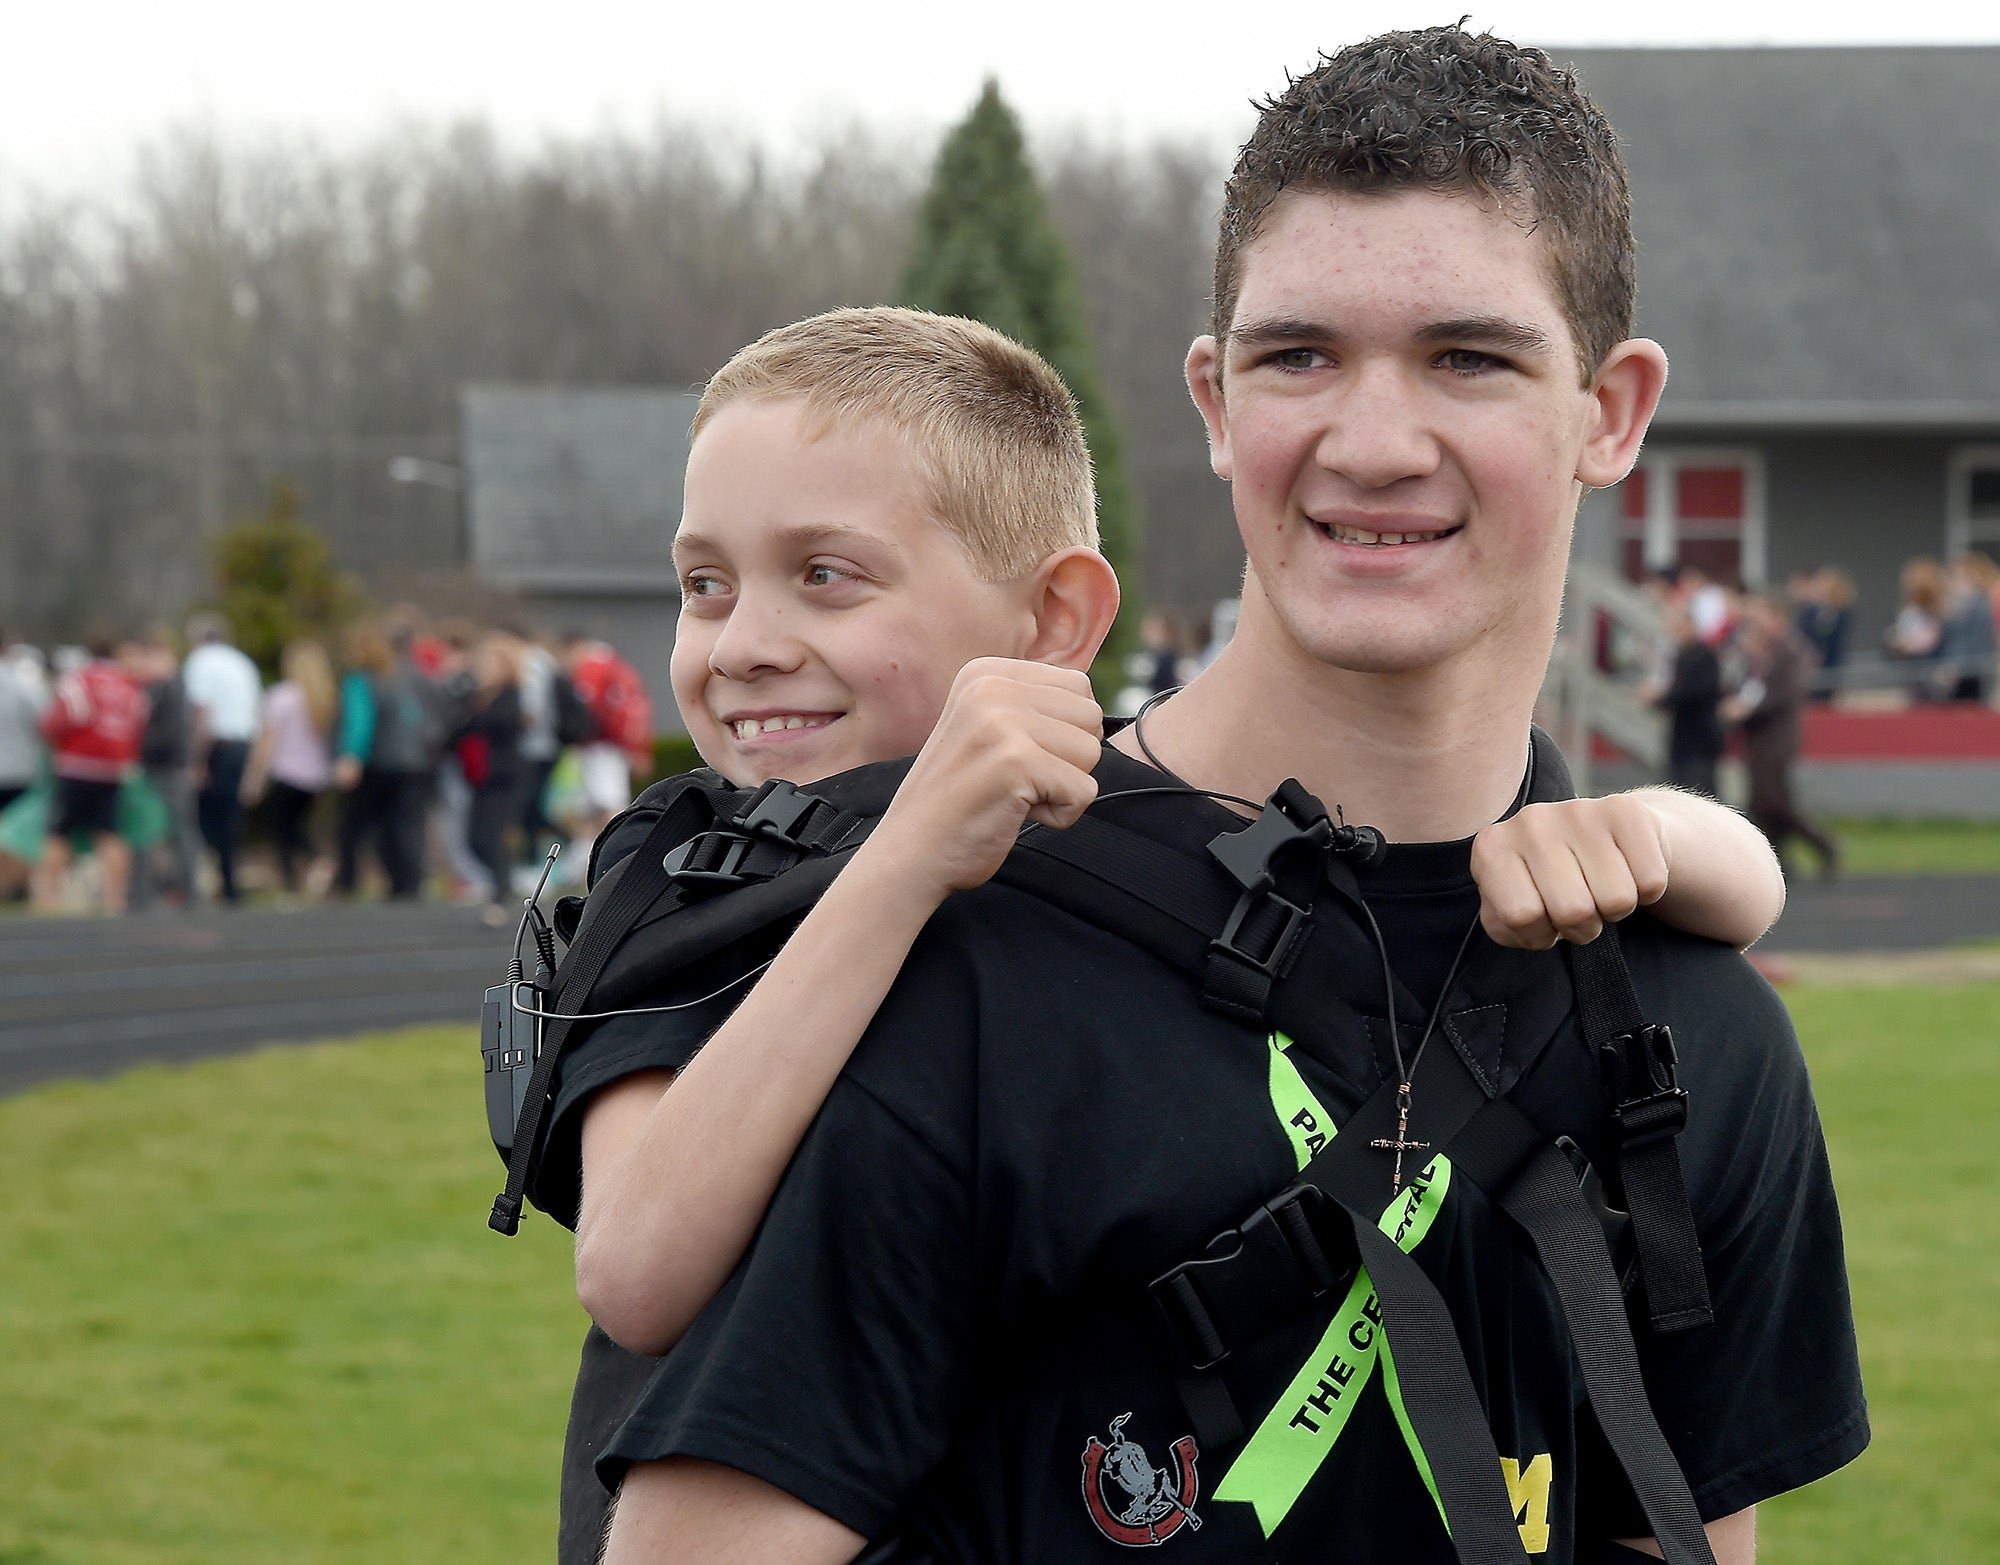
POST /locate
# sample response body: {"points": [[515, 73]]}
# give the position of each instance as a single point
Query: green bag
{"points": [[25, 822], [143, 818]]}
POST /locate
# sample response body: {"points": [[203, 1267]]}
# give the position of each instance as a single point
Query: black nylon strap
{"points": [[1646, 1122], [641, 881], [1444, 1408], [1218, 1426], [1649, 1164], [1503, 1151]]}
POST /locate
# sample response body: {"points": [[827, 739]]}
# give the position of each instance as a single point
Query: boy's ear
{"points": [[1204, 383], [1623, 394], [1074, 599]]}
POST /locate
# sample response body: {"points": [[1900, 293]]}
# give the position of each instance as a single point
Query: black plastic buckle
{"points": [[1249, 854], [1648, 1104], [773, 814], [1228, 943], [1267, 1268]]}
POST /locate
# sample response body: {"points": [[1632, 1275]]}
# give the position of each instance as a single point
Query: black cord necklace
{"points": [[1406, 1073]]}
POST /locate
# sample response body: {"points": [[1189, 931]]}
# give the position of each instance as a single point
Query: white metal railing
{"points": [[1580, 700]]}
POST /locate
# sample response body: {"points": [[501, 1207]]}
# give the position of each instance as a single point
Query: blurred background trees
{"points": [[245, 312], [985, 248], [277, 581]]}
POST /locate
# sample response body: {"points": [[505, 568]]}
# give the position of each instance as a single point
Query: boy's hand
{"points": [[1017, 741], [1565, 870]]}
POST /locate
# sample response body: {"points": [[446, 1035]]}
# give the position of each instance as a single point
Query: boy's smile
{"points": [[824, 611]]}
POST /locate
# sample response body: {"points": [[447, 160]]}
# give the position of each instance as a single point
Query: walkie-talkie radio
{"points": [[510, 1033]]}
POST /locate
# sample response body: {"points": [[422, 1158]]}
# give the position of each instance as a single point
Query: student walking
{"points": [[93, 726], [22, 702], [224, 688], [166, 754], [292, 762], [1690, 699], [1769, 706], [489, 749]]}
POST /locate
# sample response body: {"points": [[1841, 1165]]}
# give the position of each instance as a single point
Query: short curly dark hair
{"points": [[1445, 109]]}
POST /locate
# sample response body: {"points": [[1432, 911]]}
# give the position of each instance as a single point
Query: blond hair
{"points": [[306, 665], [994, 431]]}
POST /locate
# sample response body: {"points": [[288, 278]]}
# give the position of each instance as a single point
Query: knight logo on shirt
{"points": [[1132, 1501]]}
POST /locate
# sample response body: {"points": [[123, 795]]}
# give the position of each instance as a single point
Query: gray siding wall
{"points": [[1866, 503]]}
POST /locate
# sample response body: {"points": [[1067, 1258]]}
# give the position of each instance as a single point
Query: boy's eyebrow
{"points": [[808, 536], [1488, 331], [1279, 328], [1485, 331]]}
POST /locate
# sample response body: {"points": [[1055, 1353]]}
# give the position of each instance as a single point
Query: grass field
{"points": [[1886, 847], [252, 1313]]}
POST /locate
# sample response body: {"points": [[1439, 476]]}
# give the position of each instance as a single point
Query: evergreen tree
{"points": [[985, 249], [278, 582]]}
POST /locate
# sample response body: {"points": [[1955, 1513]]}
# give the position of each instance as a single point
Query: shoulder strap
{"points": [[704, 840], [1648, 1111], [625, 898], [1510, 1158], [1648, 1105]]}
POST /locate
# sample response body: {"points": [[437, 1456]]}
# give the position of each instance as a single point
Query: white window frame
{"points": [[1662, 535], [1958, 536]]}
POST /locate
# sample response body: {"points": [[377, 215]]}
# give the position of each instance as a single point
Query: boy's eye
{"points": [[698, 584], [1468, 361], [821, 574], [1298, 358]]}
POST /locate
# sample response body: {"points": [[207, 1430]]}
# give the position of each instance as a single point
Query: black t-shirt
{"points": [[937, 1337]]}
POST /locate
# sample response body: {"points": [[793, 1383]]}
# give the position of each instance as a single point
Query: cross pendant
{"points": [[1402, 1143]]}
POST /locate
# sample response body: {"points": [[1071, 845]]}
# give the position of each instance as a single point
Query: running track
{"points": [[85, 997]]}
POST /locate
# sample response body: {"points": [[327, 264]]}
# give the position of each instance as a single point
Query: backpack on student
{"points": [[620, 710], [575, 723], [411, 721], [721, 864]]}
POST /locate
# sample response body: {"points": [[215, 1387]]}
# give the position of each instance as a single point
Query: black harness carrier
{"points": [[720, 865]]}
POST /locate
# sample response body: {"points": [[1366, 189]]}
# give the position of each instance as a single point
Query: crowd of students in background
{"points": [[1753, 661], [431, 754]]}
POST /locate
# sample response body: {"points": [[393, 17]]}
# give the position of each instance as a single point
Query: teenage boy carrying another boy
{"points": [[888, 546]]}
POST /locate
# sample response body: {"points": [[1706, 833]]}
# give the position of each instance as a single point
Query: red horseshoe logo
{"points": [[1143, 1535]]}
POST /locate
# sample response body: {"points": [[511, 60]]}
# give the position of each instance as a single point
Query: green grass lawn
{"points": [[251, 1311], [1886, 847]]}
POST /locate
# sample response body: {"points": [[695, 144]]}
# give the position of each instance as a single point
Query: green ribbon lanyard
{"points": [[1298, 1434]]}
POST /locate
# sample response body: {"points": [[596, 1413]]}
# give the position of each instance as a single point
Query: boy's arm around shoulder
{"points": [[1563, 870], [663, 1220], [834, 1363]]}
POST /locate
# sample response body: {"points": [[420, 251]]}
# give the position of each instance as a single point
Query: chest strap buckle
{"points": [[1270, 1268], [777, 817]]}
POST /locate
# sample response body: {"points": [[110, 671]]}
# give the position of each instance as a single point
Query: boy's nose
{"points": [[1376, 433], [757, 638]]}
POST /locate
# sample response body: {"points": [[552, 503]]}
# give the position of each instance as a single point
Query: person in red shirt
{"points": [[623, 741], [93, 725]]}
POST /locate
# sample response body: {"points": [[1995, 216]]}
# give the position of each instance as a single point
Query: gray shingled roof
{"points": [[575, 488], [1819, 231]]}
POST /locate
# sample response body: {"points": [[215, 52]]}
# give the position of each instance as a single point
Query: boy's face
{"points": [[1399, 368], [824, 613]]}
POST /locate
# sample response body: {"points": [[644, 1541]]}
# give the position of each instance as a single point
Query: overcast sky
{"points": [[83, 84]]}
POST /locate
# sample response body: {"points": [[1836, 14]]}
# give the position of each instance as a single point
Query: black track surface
{"points": [[1903, 913], [85, 997]]}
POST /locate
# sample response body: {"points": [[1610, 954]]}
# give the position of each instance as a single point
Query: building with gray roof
{"points": [[1820, 256], [572, 497]]}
